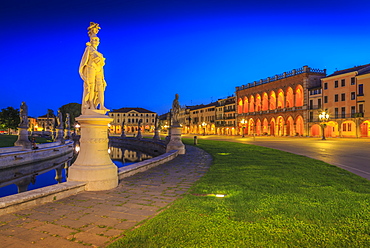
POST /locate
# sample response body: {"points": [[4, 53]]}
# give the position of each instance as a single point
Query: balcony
{"points": [[315, 107]]}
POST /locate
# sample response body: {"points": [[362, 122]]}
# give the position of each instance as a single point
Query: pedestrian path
{"points": [[96, 219]]}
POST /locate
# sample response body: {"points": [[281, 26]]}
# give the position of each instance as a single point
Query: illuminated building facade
{"points": [[202, 119], [131, 118], [226, 116], [45, 121], [344, 97], [277, 105]]}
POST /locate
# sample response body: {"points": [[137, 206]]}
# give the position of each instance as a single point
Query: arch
{"points": [[289, 101], [246, 105], [213, 129], [280, 126], [364, 129], [258, 127], [250, 129], [348, 128], [332, 129], [265, 101], [251, 104], [315, 130], [289, 126], [272, 100], [299, 126], [240, 106], [280, 99], [265, 127], [299, 96], [272, 126], [258, 102]]}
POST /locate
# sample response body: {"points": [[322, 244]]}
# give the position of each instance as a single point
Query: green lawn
{"points": [[8, 140], [273, 199]]}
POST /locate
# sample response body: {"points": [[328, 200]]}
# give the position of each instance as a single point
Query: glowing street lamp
{"points": [[77, 127], [204, 128], [243, 122], [324, 117]]}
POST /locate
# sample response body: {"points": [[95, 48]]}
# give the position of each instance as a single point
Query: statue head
{"points": [[93, 29]]}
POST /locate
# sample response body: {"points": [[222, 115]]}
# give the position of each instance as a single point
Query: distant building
{"points": [[45, 123], [344, 96], [131, 118], [32, 123], [202, 118], [226, 116], [277, 105]]}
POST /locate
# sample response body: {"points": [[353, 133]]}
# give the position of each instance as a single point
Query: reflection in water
{"points": [[15, 182], [122, 156]]}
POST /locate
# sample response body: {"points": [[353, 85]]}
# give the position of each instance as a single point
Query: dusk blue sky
{"points": [[155, 49]]}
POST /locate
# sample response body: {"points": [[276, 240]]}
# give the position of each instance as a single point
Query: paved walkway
{"points": [[96, 219]]}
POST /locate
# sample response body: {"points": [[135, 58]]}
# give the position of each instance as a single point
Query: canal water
{"points": [[120, 156]]}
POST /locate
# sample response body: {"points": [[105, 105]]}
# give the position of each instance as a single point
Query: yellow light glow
{"points": [[220, 195]]}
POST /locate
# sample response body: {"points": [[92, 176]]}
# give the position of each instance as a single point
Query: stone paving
{"points": [[96, 219]]}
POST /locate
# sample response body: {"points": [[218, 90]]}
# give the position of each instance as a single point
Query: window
{"points": [[343, 97], [311, 104], [353, 81], [325, 86], [336, 112], [360, 89], [343, 112], [336, 84], [360, 108], [349, 125], [325, 99], [344, 127], [353, 95], [319, 103], [353, 111], [118, 120], [343, 82], [336, 98]]}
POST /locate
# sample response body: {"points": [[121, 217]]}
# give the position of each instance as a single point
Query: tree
{"points": [[9, 118], [74, 110]]}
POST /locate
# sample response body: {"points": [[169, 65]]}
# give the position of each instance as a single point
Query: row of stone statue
{"points": [[23, 115]]}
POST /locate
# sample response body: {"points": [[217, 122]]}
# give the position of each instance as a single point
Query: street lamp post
{"points": [[243, 122], [204, 128], [324, 117]]}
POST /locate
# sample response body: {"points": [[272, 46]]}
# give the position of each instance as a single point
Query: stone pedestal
{"points": [[175, 140], [67, 134], [123, 134], [59, 135], [93, 164], [23, 138], [156, 135], [139, 135]]}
